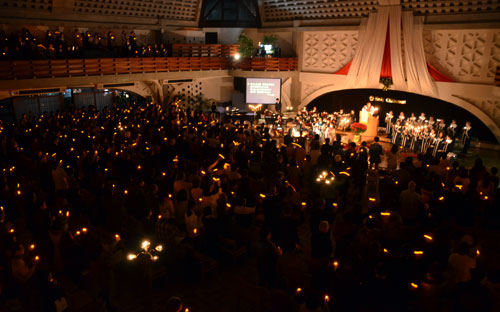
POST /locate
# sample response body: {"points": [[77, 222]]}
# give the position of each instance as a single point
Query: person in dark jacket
{"points": [[375, 153]]}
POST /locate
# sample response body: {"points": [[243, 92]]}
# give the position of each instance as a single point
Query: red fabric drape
{"points": [[436, 75], [386, 70], [344, 70]]}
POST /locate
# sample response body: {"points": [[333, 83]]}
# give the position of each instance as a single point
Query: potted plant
{"points": [[246, 45], [358, 128]]}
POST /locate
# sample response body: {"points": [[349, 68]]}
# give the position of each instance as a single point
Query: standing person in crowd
{"points": [[466, 137], [376, 152]]}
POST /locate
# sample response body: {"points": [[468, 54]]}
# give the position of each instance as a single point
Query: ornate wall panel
{"points": [[165, 9], [38, 5], [308, 89], [489, 106], [328, 51], [464, 55], [436, 7], [289, 10]]}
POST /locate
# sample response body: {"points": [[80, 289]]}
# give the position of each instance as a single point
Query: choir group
{"points": [[413, 134], [422, 135]]}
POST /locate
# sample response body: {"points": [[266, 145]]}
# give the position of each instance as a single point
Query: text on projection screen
{"points": [[262, 91]]}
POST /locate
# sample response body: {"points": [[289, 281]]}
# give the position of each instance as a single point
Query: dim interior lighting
{"points": [[145, 244], [237, 56], [150, 253]]}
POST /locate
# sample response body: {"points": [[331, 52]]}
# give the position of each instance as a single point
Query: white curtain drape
{"points": [[398, 77], [365, 67], [352, 75], [367, 62], [416, 55], [411, 70]]}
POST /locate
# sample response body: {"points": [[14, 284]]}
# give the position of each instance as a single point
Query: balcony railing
{"points": [[10, 70], [268, 64], [13, 70], [213, 50]]}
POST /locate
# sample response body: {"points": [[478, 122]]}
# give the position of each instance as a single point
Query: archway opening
{"points": [[354, 99]]}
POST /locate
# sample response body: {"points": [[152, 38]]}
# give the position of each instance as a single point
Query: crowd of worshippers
{"points": [[422, 135], [22, 45], [80, 189]]}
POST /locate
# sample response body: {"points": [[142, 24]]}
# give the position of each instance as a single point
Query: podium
{"points": [[371, 123]]}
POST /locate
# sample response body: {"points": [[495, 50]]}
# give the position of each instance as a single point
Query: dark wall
{"points": [[355, 99]]}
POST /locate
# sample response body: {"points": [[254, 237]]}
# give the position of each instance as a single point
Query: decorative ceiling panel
{"points": [[184, 10], [289, 10]]}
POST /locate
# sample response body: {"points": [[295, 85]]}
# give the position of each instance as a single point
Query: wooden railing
{"points": [[198, 50], [108, 66], [268, 64], [11, 70]]}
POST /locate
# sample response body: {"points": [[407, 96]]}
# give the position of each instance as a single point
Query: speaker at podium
{"points": [[366, 117]]}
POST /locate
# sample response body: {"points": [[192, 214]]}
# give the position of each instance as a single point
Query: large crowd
{"points": [[23, 45], [334, 229]]}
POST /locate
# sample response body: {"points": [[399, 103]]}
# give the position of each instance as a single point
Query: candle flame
{"points": [[131, 257], [428, 237], [327, 298], [418, 252], [145, 244], [32, 246], [413, 285], [385, 213], [262, 196]]}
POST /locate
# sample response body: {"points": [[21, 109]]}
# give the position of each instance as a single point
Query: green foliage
{"points": [[246, 45], [271, 39]]}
